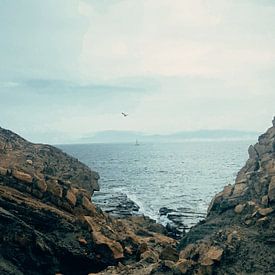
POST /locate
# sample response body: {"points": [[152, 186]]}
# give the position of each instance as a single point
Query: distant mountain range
{"points": [[131, 137]]}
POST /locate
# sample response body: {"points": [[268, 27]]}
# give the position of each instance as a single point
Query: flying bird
{"points": [[124, 114]]}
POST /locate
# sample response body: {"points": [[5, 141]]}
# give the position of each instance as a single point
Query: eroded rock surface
{"points": [[238, 235], [49, 224], [241, 221]]}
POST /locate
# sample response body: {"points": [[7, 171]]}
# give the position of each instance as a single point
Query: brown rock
{"points": [[214, 253], [41, 185], [169, 264], [227, 191], [248, 222], [239, 189], [206, 262], [264, 200], [3, 171], [71, 198], [271, 190], [82, 241], [29, 161], [54, 188], [265, 211], [149, 256], [22, 176], [251, 203], [142, 248], [183, 265], [239, 208], [169, 253], [87, 204], [114, 246], [233, 236]]}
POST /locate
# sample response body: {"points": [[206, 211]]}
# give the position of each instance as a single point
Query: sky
{"points": [[68, 68]]}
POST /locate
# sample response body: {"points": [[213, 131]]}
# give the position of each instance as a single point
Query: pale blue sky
{"points": [[68, 68]]}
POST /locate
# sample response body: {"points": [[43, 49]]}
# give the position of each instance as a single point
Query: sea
{"points": [[169, 182]]}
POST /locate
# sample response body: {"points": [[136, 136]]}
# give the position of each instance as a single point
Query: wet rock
{"points": [[173, 231], [117, 204], [163, 211]]}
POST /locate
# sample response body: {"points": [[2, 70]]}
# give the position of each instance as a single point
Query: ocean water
{"points": [[180, 176]]}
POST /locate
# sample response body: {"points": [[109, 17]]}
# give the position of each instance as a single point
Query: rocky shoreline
{"points": [[50, 226]]}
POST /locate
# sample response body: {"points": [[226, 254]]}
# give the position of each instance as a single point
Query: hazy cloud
{"points": [[69, 67]]}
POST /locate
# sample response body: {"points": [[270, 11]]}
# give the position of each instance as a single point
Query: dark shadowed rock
{"points": [[49, 224], [236, 237]]}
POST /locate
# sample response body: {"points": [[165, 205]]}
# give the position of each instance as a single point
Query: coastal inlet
{"points": [[171, 183]]}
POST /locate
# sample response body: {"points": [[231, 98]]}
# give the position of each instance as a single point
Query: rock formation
{"points": [[238, 235], [49, 225]]}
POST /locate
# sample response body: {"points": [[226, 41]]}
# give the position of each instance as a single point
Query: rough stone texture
{"points": [[239, 208], [240, 225], [271, 189], [237, 237], [29, 161], [51, 235], [49, 224]]}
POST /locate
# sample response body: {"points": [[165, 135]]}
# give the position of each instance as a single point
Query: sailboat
{"points": [[137, 144]]}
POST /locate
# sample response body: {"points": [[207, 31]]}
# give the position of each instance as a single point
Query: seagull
{"points": [[124, 114]]}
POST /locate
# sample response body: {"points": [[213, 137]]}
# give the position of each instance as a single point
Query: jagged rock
{"points": [[29, 161], [3, 171], [39, 161], [70, 196], [253, 154], [243, 238], [271, 189], [22, 176], [54, 188], [264, 200], [169, 253], [183, 266], [265, 211], [49, 224], [163, 211], [214, 253], [239, 208], [149, 256]]}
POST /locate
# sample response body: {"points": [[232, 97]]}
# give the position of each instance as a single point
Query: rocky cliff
{"points": [[238, 236], [49, 225]]}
